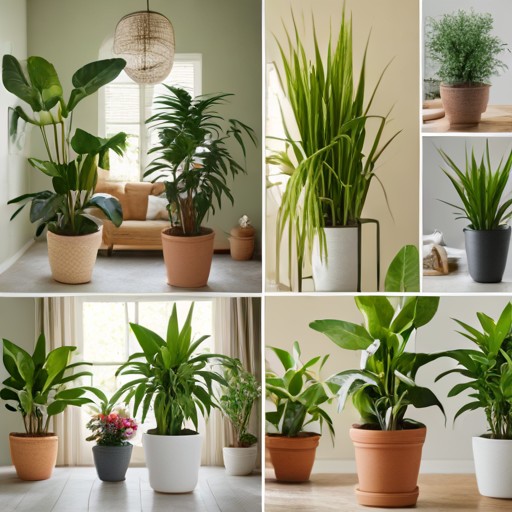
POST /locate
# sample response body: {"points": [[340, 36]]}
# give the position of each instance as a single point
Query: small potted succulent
{"points": [[299, 398], [481, 189], [488, 370], [111, 428], [236, 401], [39, 386], [194, 158], [387, 444], [464, 47]]}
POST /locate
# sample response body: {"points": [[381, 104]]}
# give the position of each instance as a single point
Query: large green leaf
{"points": [[56, 363], [378, 313], [45, 80], [404, 271], [149, 341], [110, 206], [345, 334], [15, 82]]}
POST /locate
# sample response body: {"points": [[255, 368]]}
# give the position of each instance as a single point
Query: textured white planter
{"points": [[239, 461], [493, 466], [339, 272], [172, 461], [72, 258]]}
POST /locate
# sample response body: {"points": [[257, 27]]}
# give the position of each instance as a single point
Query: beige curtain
{"points": [[237, 333]]}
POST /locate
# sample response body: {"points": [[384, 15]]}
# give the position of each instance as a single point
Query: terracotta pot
{"points": [[464, 103], [240, 232], [388, 464], [292, 457], [33, 457], [188, 259], [72, 258], [241, 248]]}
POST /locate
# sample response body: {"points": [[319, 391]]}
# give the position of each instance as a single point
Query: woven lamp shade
{"points": [[145, 39]]}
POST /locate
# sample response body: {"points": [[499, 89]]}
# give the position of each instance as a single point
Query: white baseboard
{"points": [[427, 466], [13, 259]]}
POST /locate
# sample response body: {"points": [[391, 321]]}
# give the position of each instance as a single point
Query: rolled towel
{"points": [[434, 238]]}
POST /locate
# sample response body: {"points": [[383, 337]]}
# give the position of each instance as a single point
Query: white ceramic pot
{"points": [[172, 461], [493, 466], [339, 272], [239, 461]]}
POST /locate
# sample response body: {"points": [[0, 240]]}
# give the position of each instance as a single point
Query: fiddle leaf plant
{"points": [[384, 386], [39, 385], [65, 209]]}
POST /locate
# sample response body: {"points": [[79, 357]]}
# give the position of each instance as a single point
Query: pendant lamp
{"points": [[145, 39]]}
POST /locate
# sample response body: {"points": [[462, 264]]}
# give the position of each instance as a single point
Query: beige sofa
{"points": [[136, 231]]}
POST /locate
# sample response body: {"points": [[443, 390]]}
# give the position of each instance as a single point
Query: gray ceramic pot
{"points": [[487, 253], [112, 462]]}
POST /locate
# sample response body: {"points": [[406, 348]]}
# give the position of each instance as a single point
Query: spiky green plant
{"points": [[332, 164], [480, 189]]}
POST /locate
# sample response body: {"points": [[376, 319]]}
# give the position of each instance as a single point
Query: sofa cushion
{"points": [[157, 208]]}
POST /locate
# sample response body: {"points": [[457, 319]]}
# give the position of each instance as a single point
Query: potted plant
{"points": [[299, 397], [74, 235], [481, 190], [177, 383], [488, 370], [39, 388], [387, 444], [111, 428], [329, 171], [195, 159], [236, 402], [467, 52]]}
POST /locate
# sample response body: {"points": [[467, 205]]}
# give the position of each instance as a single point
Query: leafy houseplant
{"points": [[74, 176], [177, 383], [38, 387], [382, 390], [195, 160], [236, 402], [481, 189], [467, 52], [299, 397], [332, 163], [488, 368]]}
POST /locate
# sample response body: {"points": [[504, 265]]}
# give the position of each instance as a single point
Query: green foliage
{"points": [[298, 394], [488, 370], [332, 164], [171, 377], [193, 155], [464, 47], [237, 399], [480, 189], [73, 180], [385, 385], [39, 384], [404, 271]]}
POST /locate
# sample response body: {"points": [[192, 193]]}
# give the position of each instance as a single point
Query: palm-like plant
{"points": [[332, 164], [193, 155], [480, 189], [172, 378]]}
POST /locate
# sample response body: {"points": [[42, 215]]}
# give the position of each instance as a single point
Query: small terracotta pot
{"points": [[388, 464], [72, 258], [241, 248], [464, 103], [188, 259], [33, 457], [240, 232], [292, 457]]}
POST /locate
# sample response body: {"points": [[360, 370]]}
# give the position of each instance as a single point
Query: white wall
{"points": [[448, 448], [14, 172], [17, 324], [500, 92]]}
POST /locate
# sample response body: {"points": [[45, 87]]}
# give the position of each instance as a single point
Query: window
{"points": [[125, 106]]}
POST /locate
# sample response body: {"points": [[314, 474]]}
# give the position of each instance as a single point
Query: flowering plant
{"points": [[112, 429]]}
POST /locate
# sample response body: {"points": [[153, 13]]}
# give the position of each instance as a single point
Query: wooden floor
{"points": [[326, 492], [79, 490]]}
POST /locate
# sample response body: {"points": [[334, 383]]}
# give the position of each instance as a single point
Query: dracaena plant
{"points": [[194, 156], [488, 368], [171, 377], [384, 386], [72, 161], [332, 162], [237, 398], [41, 385], [298, 393], [481, 189]]}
